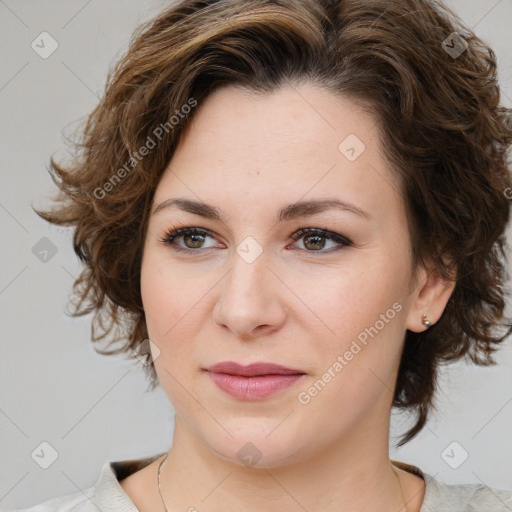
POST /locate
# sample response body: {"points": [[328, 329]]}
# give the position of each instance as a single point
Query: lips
{"points": [[251, 370], [253, 382]]}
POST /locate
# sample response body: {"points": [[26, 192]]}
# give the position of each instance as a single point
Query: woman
{"points": [[302, 204]]}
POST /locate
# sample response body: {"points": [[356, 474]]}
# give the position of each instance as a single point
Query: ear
{"points": [[429, 297]]}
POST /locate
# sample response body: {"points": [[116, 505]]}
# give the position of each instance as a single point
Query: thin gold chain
{"points": [[160, 490]]}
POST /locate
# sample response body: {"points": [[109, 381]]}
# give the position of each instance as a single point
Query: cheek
{"points": [[357, 369], [165, 305], [163, 309], [173, 308], [165, 295], [155, 299], [347, 301], [363, 324]]}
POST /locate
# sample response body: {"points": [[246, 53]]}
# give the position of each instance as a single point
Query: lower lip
{"points": [[253, 388]]}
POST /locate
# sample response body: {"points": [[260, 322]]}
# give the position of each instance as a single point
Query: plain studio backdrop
{"points": [[61, 398]]}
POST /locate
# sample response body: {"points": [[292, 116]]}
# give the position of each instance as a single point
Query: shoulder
{"points": [[75, 502], [441, 497], [105, 494]]}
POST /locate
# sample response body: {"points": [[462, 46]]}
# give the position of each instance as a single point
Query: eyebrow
{"points": [[288, 212]]}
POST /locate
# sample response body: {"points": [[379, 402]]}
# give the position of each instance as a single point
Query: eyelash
{"points": [[301, 232]]}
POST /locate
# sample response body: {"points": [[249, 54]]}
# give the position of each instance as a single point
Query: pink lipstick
{"points": [[253, 382]]}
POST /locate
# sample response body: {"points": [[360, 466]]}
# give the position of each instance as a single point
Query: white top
{"points": [[107, 495]]}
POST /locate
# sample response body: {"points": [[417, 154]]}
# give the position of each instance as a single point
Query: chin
{"points": [[252, 446]]}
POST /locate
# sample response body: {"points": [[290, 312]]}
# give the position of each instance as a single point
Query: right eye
{"points": [[193, 238]]}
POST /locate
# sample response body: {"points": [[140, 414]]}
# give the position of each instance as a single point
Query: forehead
{"points": [[295, 143]]}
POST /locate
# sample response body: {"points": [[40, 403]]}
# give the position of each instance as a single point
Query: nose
{"points": [[249, 302]]}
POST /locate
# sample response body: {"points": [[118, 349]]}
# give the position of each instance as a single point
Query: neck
{"points": [[353, 474]]}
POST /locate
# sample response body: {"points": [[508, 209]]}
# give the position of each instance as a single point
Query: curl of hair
{"points": [[443, 129]]}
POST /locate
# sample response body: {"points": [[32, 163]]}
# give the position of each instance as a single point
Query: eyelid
{"points": [[323, 232], [178, 231]]}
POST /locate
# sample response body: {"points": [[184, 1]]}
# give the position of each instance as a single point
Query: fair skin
{"points": [[301, 303]]}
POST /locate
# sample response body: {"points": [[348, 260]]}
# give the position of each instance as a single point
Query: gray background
{"points": [[92, 408]]}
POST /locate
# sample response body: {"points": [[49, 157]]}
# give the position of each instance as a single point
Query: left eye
{"points": [[313, 239], [316, 238]]}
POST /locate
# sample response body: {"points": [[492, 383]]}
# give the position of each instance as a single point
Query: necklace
{"points": [[160, 490], [166, 509]]}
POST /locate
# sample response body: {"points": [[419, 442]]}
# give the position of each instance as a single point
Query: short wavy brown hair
{"points": [[444, 131]]}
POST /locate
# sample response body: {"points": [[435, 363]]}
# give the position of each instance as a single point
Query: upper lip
{"points": [[251, 370]]}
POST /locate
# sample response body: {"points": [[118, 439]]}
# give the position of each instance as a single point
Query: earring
{"points": [[427, 323]]}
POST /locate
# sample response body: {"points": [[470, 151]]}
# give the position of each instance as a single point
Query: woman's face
{"points": [[249, 287]]}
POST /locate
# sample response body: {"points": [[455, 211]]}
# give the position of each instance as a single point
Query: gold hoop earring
{"points": [[426, 322]]}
